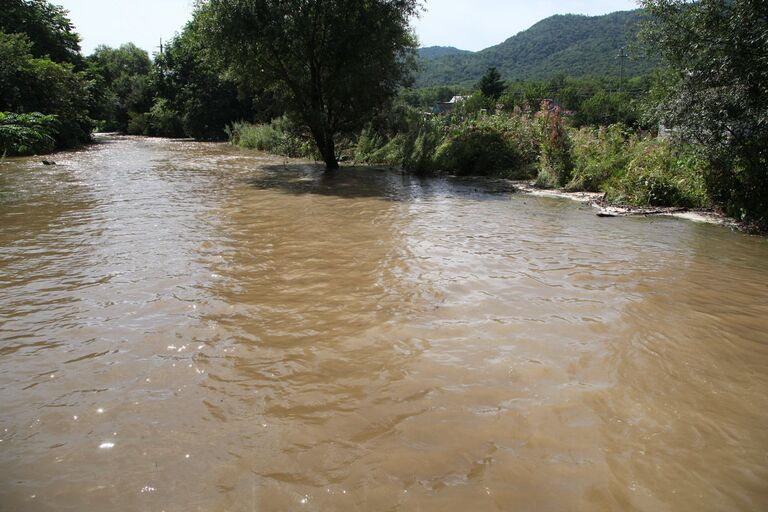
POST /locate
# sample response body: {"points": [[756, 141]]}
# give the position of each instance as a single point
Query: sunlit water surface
{"points": [[188, 327]]}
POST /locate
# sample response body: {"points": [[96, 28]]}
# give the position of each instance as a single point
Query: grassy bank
{"points": [[629, 167]]}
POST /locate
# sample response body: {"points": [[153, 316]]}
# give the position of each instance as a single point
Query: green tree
{"points": [[41, 85], [46, 25], [189, 85], [605, 108], [716, 91], [491, 85], [335, 63], [125, 77], [15, 54]]}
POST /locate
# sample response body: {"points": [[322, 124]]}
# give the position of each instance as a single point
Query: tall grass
{"points": [[280, 137]]}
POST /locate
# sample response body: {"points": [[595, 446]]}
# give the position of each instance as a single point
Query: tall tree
{"points": [[124, 74], [716, 91], [46, 25], [336, 62], [205, 102], [491, 85]]}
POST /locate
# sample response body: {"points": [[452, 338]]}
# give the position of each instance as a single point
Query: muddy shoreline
{"points": [[607, 209]]}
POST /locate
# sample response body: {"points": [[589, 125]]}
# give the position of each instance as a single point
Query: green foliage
{"points": [[428, 97], [27, 134], [39, 72], [599, 156], [191, 83], [434, 52], [457, 144], [47, 27], [138, 123], [56, 89], [491, 85], [280, 137], [479, 151], [474, 105], [659, 174], [566, 44], [15, 55], [164, 121], [604, 108], [28, 84], [124, 76], [588, 101], [337, 65], [555, 158], [715, 92]]}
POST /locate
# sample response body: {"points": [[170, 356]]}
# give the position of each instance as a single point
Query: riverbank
{"points": [[605, 208]]}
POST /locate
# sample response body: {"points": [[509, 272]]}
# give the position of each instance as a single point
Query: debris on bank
{"points": [[605, 209]]}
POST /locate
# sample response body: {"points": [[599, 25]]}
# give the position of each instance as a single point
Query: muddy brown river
{"points": [[190, 327]]}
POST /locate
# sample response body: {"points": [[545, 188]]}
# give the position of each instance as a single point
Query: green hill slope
{"points": [[571, 44], [435, 52]]}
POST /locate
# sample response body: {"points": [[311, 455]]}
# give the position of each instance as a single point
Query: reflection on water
{"points": [[188, 327]]}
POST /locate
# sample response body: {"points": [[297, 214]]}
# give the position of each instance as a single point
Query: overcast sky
{"points": [[466, 24]]}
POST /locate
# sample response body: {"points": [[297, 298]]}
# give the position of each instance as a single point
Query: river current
{"points": [[190, 327]]}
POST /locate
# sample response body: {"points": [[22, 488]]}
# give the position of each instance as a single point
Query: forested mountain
{"points": [[571, 44], [435, 52]]}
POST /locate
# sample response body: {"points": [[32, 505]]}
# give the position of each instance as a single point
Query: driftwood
{"points": [[615, 211]]}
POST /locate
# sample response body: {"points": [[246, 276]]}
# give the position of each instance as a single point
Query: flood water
{"points": [[190, 327]]}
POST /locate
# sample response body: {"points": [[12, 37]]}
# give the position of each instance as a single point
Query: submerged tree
{"points": [[336, 63], [716, 91]]}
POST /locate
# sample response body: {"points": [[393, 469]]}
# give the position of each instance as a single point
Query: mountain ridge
{"points": [[571, 44]]}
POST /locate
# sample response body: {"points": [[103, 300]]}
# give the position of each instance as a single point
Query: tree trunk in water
{"points": [[327, 147], [329, 155]]}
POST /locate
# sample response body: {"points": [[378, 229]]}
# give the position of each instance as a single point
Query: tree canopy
{"points": [[334, 63], [715, 91], [192, 87], [47, 26], [124, 76]]}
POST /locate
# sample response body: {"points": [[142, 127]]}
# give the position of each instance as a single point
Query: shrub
{"points": [[164, 121], [280, 137], [599, 155], [27, 134], [661, 175], [499, 144], [480, 150], [138, 123]]}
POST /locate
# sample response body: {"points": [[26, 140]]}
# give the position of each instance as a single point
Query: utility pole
{"points": [[622, 56]]}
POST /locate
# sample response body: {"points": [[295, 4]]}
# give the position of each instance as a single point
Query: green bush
{"points": [[27, 134], [479, 150], [500, 144], [661, 175], [599, 155], [164, 121], [138, 123], [280, 137]]}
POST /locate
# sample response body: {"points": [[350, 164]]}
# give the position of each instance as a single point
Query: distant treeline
{"points": [[590, 101]]}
